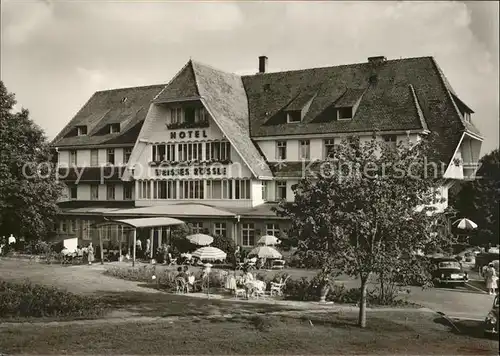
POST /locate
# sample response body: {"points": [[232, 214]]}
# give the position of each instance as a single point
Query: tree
{"points": [[28, 186], [367, 212], [478, 199]]}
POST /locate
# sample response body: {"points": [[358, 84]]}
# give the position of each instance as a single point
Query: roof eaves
{"points": [[419, 109]]}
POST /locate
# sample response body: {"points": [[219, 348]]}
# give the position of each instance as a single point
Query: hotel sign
{"points": [[191, 171], [188, 134]]}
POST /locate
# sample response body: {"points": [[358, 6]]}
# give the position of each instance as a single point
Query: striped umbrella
{"points": [[265, 252], [268, 240], [209, 253], [200, 239], [465, 224]]}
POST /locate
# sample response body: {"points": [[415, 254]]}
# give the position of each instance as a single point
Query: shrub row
{"points": [[32, 300], [303, 289]]}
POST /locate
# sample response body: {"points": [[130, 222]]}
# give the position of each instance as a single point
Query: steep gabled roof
{"points": [[127, 106], [224, 96]]}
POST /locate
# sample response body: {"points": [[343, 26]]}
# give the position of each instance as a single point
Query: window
{"points": [[127, 192], [227, 189], [220, 229], [242, 189], [281, 150], [264, 190], [248, 234], [73, 192], [390, 140], [200, 115], [114, 128], [72, 158], [127, 152], [219, 151], [81, 130], [191, 189], [94, 158], [176, 115], [159, 153], [72, 226], [86, 235], [94, 192], [63, 226], [272, 229], [190, 152], [144, 189], [329, 148], [280, 190], [196, 227], [170, 152], [111, 156], [293, 116], [110, 191], [467, 116], [165, 189], [214, 189], [344, 113], [219, 189], [305, 149]]}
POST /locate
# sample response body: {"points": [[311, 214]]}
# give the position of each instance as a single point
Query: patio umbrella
{"points": [[209, 253], [465, 224], [268, 240], [200, 239], [265, 252]]}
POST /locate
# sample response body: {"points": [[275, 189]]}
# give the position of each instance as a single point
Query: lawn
{"points": [[388, 333]]}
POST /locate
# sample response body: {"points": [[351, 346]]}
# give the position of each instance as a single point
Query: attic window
{"points": [[81, 130], [114, 128], [344, 113], [293, 117], [467, 116], [124, 100]]}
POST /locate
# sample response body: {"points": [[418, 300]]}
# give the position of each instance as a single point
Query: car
{"points": [[491, 324], [448, 271]]}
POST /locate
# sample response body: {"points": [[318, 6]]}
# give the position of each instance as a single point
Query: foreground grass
{"points": [[401, 333]]}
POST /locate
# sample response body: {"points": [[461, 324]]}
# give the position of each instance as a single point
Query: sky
{"points": [[56, 54]]}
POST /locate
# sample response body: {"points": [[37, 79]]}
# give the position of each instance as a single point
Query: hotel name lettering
{"points": [[188, 134], [191, 171]]}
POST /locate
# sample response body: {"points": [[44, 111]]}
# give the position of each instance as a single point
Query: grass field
{"points": [[388, 333]]}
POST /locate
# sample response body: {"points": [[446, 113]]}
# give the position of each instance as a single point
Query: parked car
{"points": [[491, 324], [448, 271]]}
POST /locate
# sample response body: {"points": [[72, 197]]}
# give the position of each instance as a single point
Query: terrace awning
{"points": [[143, 222]]}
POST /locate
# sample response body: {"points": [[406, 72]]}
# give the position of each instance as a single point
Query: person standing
{"points": [[148, 252], [138, 246], [491, 279], [90, 253]]}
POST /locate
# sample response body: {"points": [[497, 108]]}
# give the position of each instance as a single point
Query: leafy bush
{"points": [[306, 289], [227, 245], [32, 300]]}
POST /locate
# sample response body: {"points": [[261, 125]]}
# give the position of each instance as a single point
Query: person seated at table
{"points": [[181, 274]]}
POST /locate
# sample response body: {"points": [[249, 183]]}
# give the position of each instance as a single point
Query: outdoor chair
{"points": [[278, 288], [278, 264], [181, 285]]}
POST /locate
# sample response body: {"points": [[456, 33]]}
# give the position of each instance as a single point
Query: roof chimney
{"points": [[377, 60], [262, 64]]}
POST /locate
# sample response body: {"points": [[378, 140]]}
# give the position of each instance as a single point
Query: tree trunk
{"points": [[382, 289], [324, 292], [362, 303]]}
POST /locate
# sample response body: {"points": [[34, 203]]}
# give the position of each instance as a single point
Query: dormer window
{"points": [[344, 113], [176, 116], [81, 130], [293, 117], [467, 116], [114, 128]]}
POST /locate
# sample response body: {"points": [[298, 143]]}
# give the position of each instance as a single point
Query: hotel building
{"points": [[218, 150]]}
